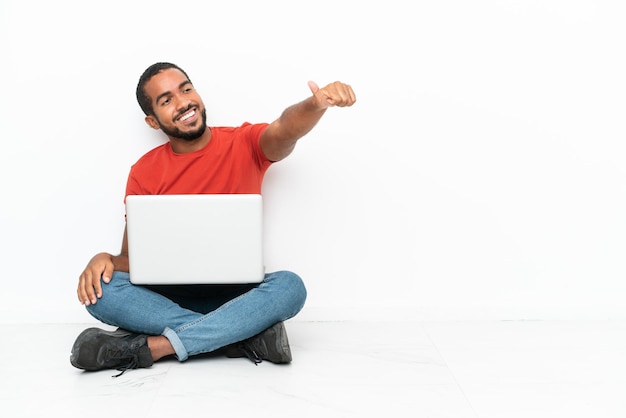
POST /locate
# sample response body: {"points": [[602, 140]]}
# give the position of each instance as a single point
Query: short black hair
{"points": [[145, 103]]}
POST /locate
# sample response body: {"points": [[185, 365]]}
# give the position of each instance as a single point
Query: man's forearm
{"points": [[297, 120], [120, 262]]}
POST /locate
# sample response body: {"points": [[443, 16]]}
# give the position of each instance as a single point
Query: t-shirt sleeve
{"points": [[132, 186], [252, 134]]}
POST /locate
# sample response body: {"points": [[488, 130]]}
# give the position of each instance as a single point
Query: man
{"points": [[183, 321]]}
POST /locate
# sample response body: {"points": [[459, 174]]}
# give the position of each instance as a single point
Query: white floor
{"points": [[494, 369]]}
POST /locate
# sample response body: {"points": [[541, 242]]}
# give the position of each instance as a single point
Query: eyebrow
{"points": [[168, 93]]}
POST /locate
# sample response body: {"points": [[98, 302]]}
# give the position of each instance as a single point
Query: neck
{"points": [[182, 146]]}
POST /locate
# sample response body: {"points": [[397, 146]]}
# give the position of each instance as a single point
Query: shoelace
{"points": [[250, 353], [132, 363]]}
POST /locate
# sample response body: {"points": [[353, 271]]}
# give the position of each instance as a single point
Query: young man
{"points": [[159, 321]]}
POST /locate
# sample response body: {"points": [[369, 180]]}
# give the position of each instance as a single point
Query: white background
{"points": [[480, 174]]}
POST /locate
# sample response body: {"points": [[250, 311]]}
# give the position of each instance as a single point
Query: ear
{"points": [[152, 122]]}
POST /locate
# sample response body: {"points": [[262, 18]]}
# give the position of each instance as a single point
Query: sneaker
{"points": [[96, 349], [271, 345]]}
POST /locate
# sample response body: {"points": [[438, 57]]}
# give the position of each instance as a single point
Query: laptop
{"points": [[195, 239]]}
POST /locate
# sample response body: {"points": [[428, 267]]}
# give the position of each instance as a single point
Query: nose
{"points": [[182, 102]]}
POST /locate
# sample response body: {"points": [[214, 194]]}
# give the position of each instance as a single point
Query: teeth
{"points": [[187, 115]]}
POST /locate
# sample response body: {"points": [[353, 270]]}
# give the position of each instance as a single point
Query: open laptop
{"points": [[195, 239]]}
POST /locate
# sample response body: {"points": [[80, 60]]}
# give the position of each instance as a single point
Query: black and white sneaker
{"points": [[271, 345], [97, 349]]}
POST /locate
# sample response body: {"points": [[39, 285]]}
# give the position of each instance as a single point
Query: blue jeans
{"points": [[200, 318]]}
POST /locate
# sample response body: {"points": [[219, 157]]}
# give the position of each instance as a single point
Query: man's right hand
{"points": [[89, 283]]}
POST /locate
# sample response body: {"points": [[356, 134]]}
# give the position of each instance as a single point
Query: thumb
{"points": [[320, 95], [107, 274], [313, 86]]}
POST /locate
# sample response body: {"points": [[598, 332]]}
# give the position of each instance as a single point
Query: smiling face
{"points": [[178, 110]]}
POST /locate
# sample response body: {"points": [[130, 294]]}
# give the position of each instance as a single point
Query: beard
{"points": [[190, 135]]}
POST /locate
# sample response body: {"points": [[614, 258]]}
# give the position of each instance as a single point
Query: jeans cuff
{"points": [[179, 348]]}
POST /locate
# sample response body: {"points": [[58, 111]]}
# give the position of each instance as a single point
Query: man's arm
{"points": [[101, 266], [280, 137]]}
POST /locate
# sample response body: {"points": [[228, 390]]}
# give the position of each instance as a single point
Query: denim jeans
{"points": [[200, 318]]}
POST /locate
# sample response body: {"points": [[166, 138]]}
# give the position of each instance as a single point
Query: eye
{"points": [[165, 102]]}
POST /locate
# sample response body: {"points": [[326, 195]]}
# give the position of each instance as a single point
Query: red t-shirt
{"points": [[232, 162]]}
